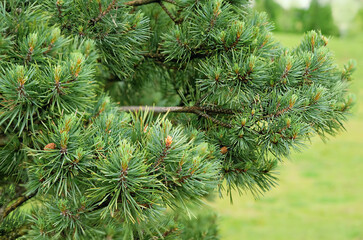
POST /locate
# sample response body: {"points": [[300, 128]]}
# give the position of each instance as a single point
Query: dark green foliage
{"points": [[118, 34], [87, 169]]}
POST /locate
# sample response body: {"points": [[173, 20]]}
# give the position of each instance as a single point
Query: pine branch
{"points": [[214, 120], [171, 1], [102, 14], [157, 109], [59, 9], [167, 11], [201, 99], [162, 57], [170, 231], [192, 109], [136, 3], [50, 46], [201, 111], [161, 157], [17, 204], [19, 190], [157, 56]]}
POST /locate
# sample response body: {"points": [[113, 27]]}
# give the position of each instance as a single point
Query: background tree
{"points": [[320, 17], [298, 20], [357, 25], [273, 10], [87, 167]]}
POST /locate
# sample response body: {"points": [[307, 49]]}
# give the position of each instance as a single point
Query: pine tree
{"points": [[79, 161]]}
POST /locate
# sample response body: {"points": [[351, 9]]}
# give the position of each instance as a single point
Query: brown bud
{"points": [[325, 40], [49, 146], [317, 96], [224, 150], [168, 141], [243, 122], [145, 128]]}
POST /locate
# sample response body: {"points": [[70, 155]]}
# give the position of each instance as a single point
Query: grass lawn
{"points": [[320, 192]]}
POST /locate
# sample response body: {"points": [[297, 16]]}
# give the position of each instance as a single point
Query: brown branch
{"points": [[136, 3], [100, 6], [18, 203], [211, 109], [162, 57], [167, 233], [234, 43], [29, 55], [59, 9], [201, 111], [161, 158], [157, 109], [192, 109], [236, 170], [170, 231], [280, 112], [171, 1], [167, 11], [201, 99], [102, 14], [157, 56], [216, 121], [18, 191], [50, 46], [212, 22]]}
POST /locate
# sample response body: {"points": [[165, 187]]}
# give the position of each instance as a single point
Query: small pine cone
{"points": [[224, 150], [49, 146]]}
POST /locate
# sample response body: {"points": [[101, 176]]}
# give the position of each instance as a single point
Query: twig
{"points": [[136, 3], [28, 57], [234, 43], [170, 231], [18, 203], [102, 14], [50, 46], [167, 11], [158, 56], [201, 111], [201, 99], [191, 109], [157, 109], [59, 9], [162, 57], [216, 121], [280, 112], [161, 158], [171, 1]]}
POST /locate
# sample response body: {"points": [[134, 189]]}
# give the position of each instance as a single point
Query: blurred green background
{"points": [[320, 192]]}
